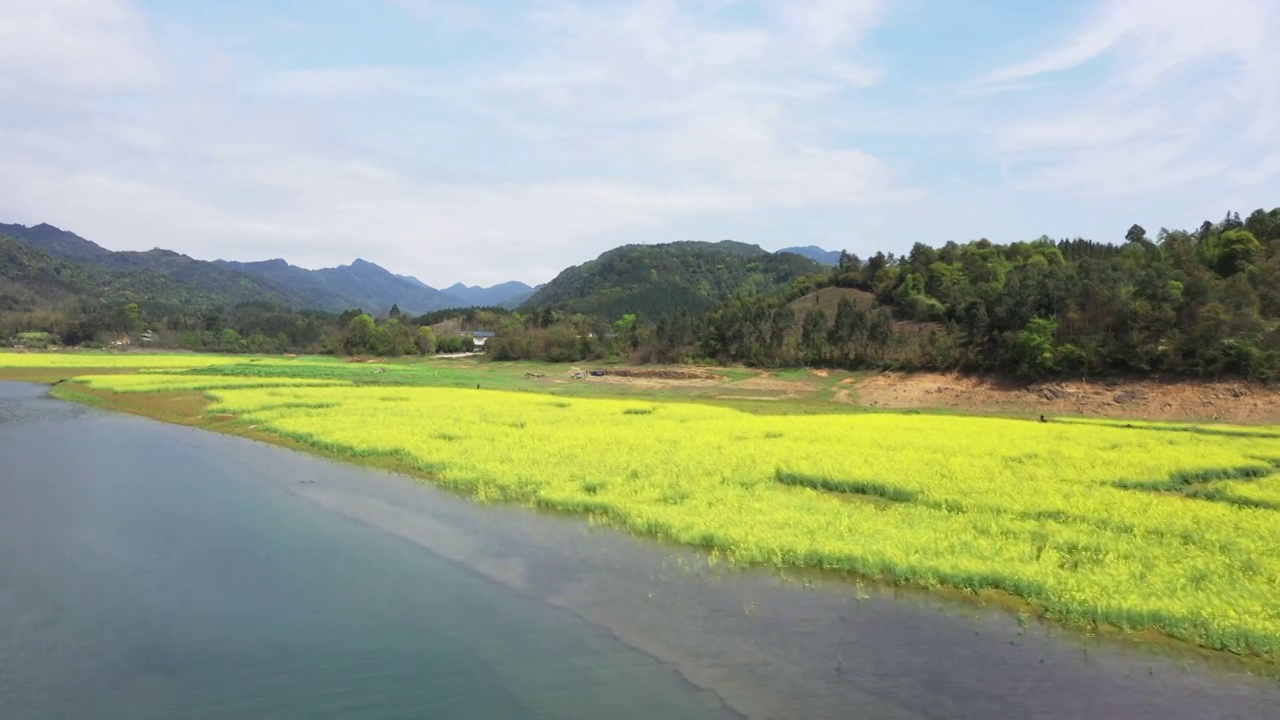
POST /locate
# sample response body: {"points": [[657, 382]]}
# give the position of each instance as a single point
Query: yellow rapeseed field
{"points": [[1145, 527], [173, 361]]}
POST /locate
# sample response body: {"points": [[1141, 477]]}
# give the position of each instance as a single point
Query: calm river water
{"points": [[154, 571]]}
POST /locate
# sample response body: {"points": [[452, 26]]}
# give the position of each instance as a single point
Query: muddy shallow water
{"points": [[149, 570]]}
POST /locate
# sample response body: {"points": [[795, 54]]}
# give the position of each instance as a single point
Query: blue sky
{"points": [[486, 141]]}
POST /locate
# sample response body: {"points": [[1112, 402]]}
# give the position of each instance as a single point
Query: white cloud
{"points": [[1088, 44], [76, 45], [1147, 96], [617, 122], [829, 23], [332, 213], [1154, 38], [675, 90]]}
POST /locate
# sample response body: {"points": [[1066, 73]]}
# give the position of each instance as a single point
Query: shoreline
{"points": [[188, 409], [767, 642]]}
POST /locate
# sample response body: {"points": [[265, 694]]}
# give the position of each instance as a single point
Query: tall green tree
{"points": [[360, 336]]}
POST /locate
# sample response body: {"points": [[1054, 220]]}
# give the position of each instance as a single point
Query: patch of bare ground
{"points": [[658, 377], [1154, 399], [828, 299], [662, 373], [448, 328], [653, 382], [773, 384]]}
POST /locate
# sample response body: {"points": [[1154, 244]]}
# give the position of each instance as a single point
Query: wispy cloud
{"points": [[1146, 96], [1102, 35]]}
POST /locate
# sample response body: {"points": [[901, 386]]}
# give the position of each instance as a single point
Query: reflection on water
{"points": [[147, 566]]}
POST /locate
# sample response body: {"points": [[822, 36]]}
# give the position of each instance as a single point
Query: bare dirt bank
{"points": [[1224, 401]]}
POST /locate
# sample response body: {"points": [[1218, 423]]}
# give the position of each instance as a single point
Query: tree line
{"points": [[242, 328], [1204, 302]]}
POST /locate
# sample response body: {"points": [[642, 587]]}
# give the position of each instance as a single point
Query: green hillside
{"points": [[1203, 302], [31, 279], [662, 280], [161, 275], [58, 243]]}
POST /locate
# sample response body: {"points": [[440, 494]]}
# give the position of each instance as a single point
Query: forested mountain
{"points": [[79, 303], [197, 278], [508, 294], [58, 243], [31, 279], [816, 254], [661, 280], [1204, 303]]}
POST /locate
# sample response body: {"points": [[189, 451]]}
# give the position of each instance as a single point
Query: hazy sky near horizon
{"points": [[487, 141]]}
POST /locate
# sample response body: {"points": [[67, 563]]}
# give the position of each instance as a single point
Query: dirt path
{"points": [[1228, 401]]}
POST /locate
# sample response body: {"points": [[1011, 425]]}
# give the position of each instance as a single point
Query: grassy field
{"points": [[800, 392], [1141, 526]]}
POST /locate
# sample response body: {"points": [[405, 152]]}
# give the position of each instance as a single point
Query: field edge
{"points": [[189, 408]]}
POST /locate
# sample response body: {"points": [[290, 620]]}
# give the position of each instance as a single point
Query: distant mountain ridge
{"points": [[58, 243], [815, 253], [652, 280], [361, 284], [508, 294]]}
